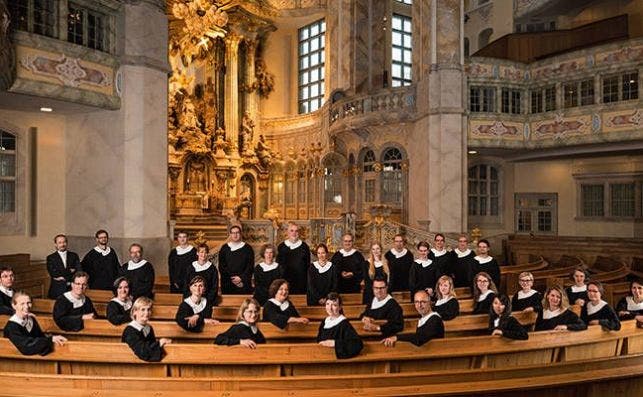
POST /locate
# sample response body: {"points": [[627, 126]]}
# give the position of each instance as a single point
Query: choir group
{"points": [[431, 279]]}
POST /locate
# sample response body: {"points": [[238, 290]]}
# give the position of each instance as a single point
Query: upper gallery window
{"points": [[35, 16], [312, 42], [7, 172], [87, 27], [401, 49], [621, 87]]}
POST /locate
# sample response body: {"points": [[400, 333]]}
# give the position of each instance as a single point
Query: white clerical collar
{"points": [[26, 323], [283, 306], [437, 253], [133, 266], [253, 328], [576, 288], [140, 327], [183, 250], [267, 268], [399, 254], [7, 291], [127, 304], [522, 294], [424, 263], [462, 254], [378, 264], [376, 304], [322, 269], [426, 318], [633, 306], [496, 322], [347, 253], [330, 322], [292, 245], [444, 300], [101, 251], [484, 295], [547, 314], [591, 308], [196, 307], [75, 301], [235, 246], [199, 268], [483, 260], [63, 257]]}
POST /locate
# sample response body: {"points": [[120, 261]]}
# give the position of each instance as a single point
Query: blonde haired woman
{"points": [[377, 268], [245, 332], [447, 305], [139, 334], [556, 314]]}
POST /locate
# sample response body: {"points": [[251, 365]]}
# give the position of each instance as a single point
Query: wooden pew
{"points": [[31, 277]]}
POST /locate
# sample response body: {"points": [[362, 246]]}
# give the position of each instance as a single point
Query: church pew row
{"points": [[102, 330], [30, 277], [536, 378], [205, 360]]}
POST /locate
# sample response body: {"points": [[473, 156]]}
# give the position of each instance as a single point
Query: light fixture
{"points": [[46, 110], [472, 152]]}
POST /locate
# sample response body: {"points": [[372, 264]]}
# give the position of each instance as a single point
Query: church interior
{"points": [[516, 123]]}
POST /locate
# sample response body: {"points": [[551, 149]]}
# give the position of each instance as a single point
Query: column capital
{"points": [[232, 40]]}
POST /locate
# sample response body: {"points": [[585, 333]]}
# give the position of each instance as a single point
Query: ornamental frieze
{"points": [[69, 71]]}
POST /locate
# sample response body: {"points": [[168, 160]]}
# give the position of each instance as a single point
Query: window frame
{"points": [[607, 184], [402, 80], [488, 217], [535, 209], [304, 73]]}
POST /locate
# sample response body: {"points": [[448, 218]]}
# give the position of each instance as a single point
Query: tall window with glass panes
{"points": [[312, 42], [401, 63]]}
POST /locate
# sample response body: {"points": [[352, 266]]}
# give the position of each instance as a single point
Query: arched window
{"points": [[332, 180], [466, 47], [484, 190], [392, 177], [7, 172], [369, 176], [291, 181], [484, 37]]}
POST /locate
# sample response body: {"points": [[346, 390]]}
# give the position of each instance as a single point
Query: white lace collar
{"points": [[133, 266], [576, 288], [182, 251], [292, 245], [437, 253], [25, 323], [101, 251], [253, 327], [462, 254], [376, 304], [378, 264], [444, 300], [400, 254], [322, 269], [267, 268], [424, 263], [330, 322], [200, 268], [235, 246], [484, 295], [196, 307], [125, 304], [631, 305], [282, 306], [140, 327], [482, 260], [7, 291], [75, 301], [548, 314], [347, 253], [591, 308], [524, 295], [426, 318]]}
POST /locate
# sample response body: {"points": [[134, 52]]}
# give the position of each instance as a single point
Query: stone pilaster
{"points": [[232, 89]]}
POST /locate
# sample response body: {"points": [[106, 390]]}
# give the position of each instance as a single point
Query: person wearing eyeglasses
{"points": [[101, 263], [73, 307], [399, 261], [484, 290], [526, 299], [430, 325], [598, 312], [350, 266], [383, 307], [236, 264]]}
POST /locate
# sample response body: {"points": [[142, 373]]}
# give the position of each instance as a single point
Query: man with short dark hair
{"points": [[400, 261], [383, 307], [350, 266], [294, 256], [430, 325], [139, 272], [61, 265], [236, 264], [101, 263], [6, 290], [180, 258]]}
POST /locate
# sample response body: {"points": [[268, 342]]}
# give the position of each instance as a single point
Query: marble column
{"points": [[370, 49], [232, 90], [339, 21]]}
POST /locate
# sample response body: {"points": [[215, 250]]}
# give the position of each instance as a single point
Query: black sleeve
{"points": [[28, 345], [184, 311], [312, 293], [512, 329], [573, 322], [63, 319], [449, 310], [610, 321], [259, 338], [5, 308], [116, 315], [173, 269], [147, 349], [361, 270], [214, 290], [249, 266], [231, 337], [395, 323], [622, 307], [274, 315], [52, 268], [412, 279], [539, 326], [347, 344], [433, 329]]}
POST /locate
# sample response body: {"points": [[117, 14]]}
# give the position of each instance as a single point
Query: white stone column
{"points": [[232, 89]]}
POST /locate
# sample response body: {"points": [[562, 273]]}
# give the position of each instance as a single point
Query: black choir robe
{"points": [[399, 265], [347, 342], [391, 311], [429, 327], [70, 318], [264, 278], [278, 314], [210, 274], [367, 295], [352, 261], [441, 260], [519, 303], [321, 281], [509, 326], [5, 303], [187, 308], [236, 262], [57, 268], [567, 317], [627, 304], [490, 267], [423, 275], [142, 341], [461, 267], [178, 265], [241, 330], [102, 269], [141, 278], [295, 259], [119, 312], [606, 316], [573, 294], [27, 336], [483, 306], [448, 308]]}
